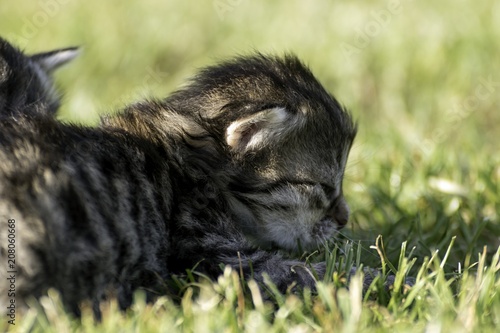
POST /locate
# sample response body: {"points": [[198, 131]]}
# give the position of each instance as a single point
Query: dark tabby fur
{"points": [[25, 82], [247, 158]]}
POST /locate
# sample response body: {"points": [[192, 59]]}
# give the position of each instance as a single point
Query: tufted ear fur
{"points": [[260, 129], [50, 61]]}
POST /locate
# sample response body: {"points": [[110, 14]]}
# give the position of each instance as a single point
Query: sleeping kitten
{"points": [[26, 86], [247, 158]]}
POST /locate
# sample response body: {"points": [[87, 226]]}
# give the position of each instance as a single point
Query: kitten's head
{"points": [[288, 139], [25, 81]]}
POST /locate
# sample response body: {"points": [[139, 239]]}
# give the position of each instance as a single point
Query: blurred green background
{"points": [[421, 77]]}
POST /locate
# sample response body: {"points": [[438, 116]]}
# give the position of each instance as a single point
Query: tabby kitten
{"points": [[26, 86], [247, 158]]}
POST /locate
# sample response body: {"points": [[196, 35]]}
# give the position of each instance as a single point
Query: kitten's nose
{"points": [[340, 212]]}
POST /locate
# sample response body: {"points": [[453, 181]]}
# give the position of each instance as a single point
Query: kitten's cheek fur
{"points": [[295, 234]]}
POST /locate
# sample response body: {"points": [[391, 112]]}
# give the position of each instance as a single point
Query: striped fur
{"points": [[246, 158]]}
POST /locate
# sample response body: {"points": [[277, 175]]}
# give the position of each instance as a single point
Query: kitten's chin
{"points": [[324, 229]]}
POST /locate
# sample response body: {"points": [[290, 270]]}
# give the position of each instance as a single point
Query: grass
{"points": [[423, 80]]}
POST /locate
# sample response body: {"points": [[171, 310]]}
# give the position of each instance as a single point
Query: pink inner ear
{"points": [[257, 130], [247, 133]]}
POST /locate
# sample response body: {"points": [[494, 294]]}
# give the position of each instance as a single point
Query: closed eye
{"points": [[330, 191]]}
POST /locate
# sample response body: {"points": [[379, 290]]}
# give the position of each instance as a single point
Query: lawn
{"points": [[422, 78]]}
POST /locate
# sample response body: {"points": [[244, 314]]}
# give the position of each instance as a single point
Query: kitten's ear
{"points": [[260, 129], [52, 60]]}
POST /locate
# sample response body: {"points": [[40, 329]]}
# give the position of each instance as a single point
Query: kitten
{"points": [[247, 158], [26, 86]]}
